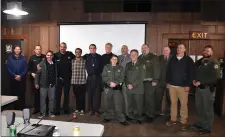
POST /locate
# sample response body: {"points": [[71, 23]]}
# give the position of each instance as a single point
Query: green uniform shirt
{"points": [[134, 75], [150, 61], [207, 71], [113, 74]]}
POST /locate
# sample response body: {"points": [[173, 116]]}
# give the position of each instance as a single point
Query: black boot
{"points": [[106, 120]]}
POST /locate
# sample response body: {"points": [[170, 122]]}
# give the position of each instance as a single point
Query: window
{"points": [[95, 6], [136, 5]]}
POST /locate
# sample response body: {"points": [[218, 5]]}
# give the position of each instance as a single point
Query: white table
{"points": [[65, 128], [8, 99]]}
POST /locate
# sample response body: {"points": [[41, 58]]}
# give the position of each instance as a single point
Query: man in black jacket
{"points": [[107, 56], [179, 78], [32, 69], [94, 67], [63, 59]]}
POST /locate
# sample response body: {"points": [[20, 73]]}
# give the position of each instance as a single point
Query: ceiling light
{"points": [[15, 11]]}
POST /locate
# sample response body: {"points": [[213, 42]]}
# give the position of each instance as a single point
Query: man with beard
{"points": [[17, 68], [206, 76], [63, 60], [151, 78]]}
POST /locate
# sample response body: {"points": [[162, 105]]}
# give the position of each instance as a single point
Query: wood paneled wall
{"points": [[160, 28], [44, 34], [47, 35]]}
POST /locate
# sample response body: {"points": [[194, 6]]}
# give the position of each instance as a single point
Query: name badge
{"points": [[68, 57], [109, 71], [58, 60], [118, 70], [93, 65], [34, 60]]}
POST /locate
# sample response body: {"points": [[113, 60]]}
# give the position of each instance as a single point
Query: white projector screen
{"points": [[81, 36]]}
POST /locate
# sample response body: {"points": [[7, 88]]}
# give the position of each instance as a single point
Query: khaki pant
{"points": [[175, 94]]}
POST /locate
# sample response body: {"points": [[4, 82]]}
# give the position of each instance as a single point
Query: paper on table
{"points": [[193, 57]]}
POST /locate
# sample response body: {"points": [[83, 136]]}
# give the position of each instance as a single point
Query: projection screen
{"points": [[81, 36]]}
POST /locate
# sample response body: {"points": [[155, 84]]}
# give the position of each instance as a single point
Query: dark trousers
{"points": [[204, 100], [135, 106], [160, 91], [62, 84], [94, 84], [113, 100], [168, 102], [18, 89], [79, 92], [36, 93], [158, 99], [149, 96]]}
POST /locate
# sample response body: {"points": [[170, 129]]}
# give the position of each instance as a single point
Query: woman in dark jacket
{"points": [[17, 68]]}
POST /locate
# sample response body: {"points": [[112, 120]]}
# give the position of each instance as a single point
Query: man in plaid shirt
{"points": [[78, 81]]}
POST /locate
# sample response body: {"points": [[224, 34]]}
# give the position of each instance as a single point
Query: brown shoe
{"points": [[171, 123], [183, 127]]}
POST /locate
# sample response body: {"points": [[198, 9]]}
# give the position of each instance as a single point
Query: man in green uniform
{"points": [[151, 78], [206, 76], [113, 78], [161, 89], [134, 75]]}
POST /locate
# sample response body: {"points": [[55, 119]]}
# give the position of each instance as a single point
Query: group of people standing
{"points": [[133, 85]]}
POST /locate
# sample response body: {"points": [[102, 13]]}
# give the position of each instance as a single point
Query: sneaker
{"points": [[171, 123], [51, 115], [76, 111], [81, 112], [41, 116]]}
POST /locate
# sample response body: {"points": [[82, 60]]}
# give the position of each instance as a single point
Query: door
{"points": [[219, 105], [6, 50]]}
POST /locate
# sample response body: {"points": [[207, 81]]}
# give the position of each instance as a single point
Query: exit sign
{"points": [[198, 35]]}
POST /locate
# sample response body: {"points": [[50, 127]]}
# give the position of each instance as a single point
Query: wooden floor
{"points": [[157, 128]]}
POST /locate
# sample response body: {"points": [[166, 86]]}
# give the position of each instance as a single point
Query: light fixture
{"points": [[15, 11]]}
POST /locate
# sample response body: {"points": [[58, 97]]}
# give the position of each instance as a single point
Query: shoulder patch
{"points": [[216, 66]]}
